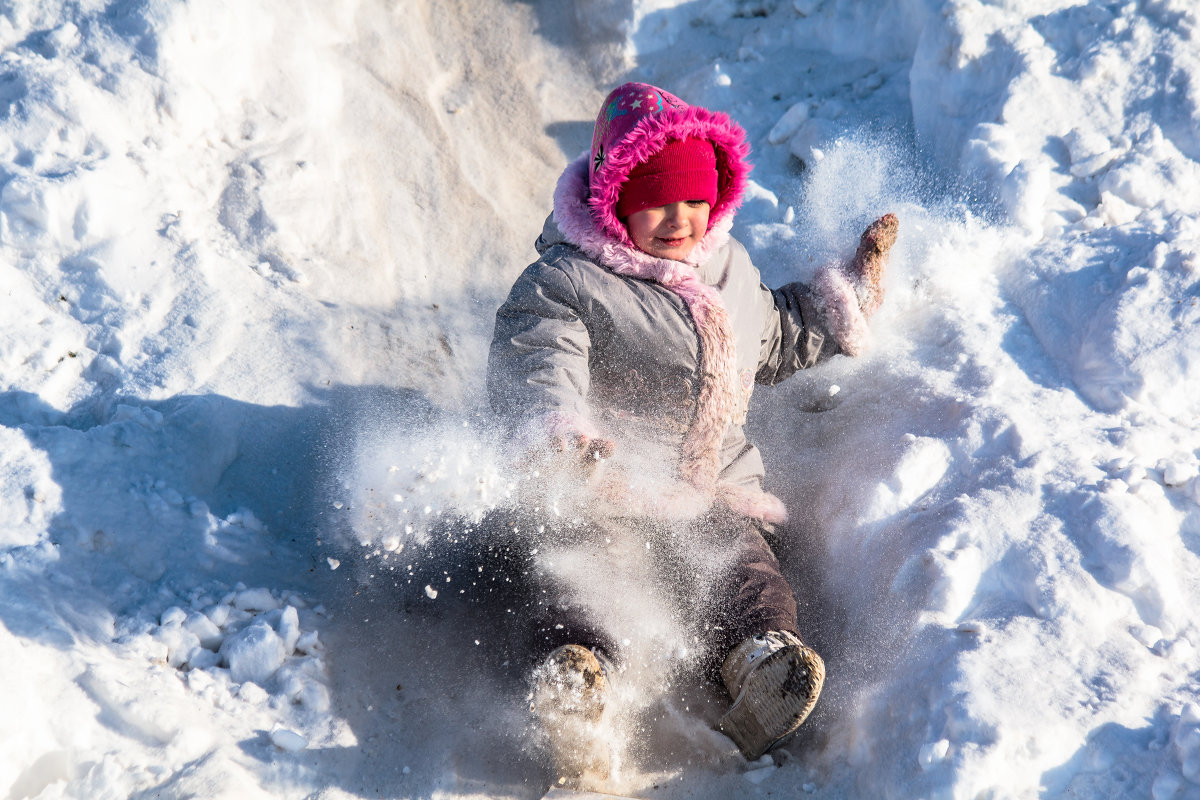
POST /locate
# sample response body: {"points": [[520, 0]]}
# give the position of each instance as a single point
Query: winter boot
{"points": [[569, 694], [774, 680]]}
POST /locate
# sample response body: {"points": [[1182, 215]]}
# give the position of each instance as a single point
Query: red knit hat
{"points": [[684, 169]]}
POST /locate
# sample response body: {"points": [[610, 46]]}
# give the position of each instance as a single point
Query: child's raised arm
{"points": [[813, 323]]}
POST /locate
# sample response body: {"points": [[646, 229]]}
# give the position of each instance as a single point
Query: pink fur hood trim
{"points": [[636, 121]]}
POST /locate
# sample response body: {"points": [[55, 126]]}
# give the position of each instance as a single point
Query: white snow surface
{"points": [[250, 254]]}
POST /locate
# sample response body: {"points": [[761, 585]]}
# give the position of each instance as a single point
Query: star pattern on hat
{"points": [[598, 161]]}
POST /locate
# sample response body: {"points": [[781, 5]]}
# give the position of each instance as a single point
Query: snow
{"points": [[250, 255]]}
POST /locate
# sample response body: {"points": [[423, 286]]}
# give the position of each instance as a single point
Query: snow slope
{"points": [[250, 253]]}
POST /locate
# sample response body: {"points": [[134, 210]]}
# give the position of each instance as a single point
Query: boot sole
{"points": [[568, 700], [777, 697]]}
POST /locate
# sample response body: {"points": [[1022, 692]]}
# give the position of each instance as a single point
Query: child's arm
{"points": [[538, 373], [793, 338], [811, 324]]}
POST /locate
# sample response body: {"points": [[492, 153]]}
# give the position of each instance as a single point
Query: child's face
{"points": [[669, 231]]}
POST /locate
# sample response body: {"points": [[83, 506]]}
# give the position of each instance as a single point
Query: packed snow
{"points": [[250, 254]]}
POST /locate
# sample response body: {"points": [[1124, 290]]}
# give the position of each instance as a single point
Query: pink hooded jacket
{"points": [[599, 337]]}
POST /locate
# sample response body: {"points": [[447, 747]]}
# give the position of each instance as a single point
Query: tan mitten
{"points": [[865, 270]]}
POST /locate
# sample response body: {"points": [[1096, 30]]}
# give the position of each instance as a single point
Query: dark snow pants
{"points": [[701, 586]]}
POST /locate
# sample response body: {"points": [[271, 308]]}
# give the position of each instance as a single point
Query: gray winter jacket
{"points": [[601, 339], [579, 347]]}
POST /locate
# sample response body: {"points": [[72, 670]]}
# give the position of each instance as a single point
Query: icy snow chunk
{"points": [[180, 644], [1147, 635], [300, 682], [933, 753], [219, 614], [307, 643], [1177, 473], [788, 124], [245, 518], [254, 653], [172, 616], [759, 203], [289, 628], [1115, 211], [288, 740], [809, 140], [208, 634], [431, 592], [253, 694], [1090, 152], [201, 659], [255, 600], [200, 681]]}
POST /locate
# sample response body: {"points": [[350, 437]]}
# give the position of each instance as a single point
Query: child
{"points": [[630, 349]]}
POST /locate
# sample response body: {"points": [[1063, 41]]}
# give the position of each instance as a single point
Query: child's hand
{"points": [[588, 449], [865, 270]]}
